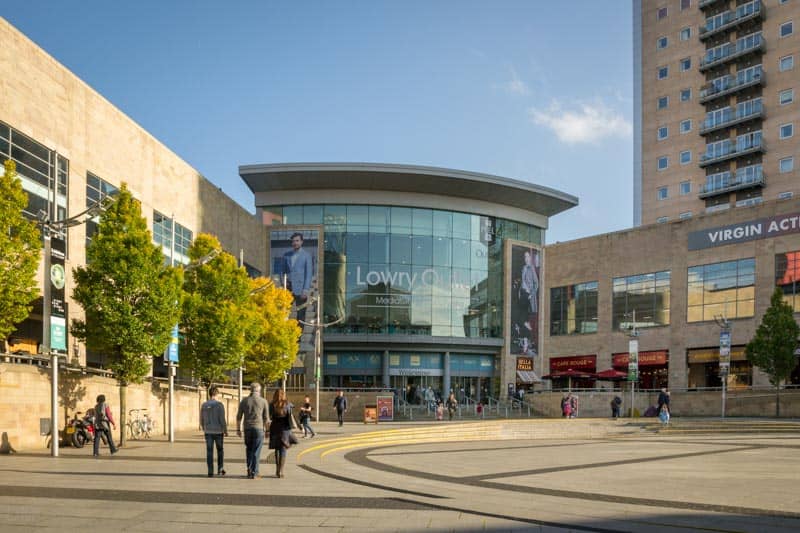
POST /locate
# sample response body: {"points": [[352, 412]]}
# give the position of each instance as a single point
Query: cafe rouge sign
{"points": [[582, 362], [752, 230], [653, 358]]}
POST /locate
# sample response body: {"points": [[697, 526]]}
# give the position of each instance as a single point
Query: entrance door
{"points": [[413, 389], [466, 388]]}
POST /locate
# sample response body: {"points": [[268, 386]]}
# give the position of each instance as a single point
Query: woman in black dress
{"points": [[281, 437]]}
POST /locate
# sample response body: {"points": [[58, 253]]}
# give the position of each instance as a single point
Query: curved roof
{"points": [[406, 178]]}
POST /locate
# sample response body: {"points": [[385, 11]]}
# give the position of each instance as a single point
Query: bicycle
{"points": [[140, 425]]}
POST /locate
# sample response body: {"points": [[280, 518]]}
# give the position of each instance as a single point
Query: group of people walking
{"points": [[256, 420]]}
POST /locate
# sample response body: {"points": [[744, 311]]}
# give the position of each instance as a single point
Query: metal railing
{"points": [[712, 91], [731, 51], [730, 19], [731, 152], [733, 118]]}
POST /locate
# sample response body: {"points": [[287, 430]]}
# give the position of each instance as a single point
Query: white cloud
{"points": [[586, 123], [515, 85]]}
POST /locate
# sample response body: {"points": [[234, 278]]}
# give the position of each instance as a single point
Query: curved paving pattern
{"points": [[534, 475]]}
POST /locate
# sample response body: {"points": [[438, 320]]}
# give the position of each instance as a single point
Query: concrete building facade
{"points": [[716, 105], [72, 147], [682, 279]]}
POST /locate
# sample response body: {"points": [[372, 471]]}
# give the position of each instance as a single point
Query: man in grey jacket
{"points": [[253, 410], [212, 420]]}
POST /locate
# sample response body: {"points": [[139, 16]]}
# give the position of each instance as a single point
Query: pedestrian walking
{"points": [[281, 437], [663, 399], [340, 405], [566, 406], [663, 415], [252, 415], [305, 417], [439, 410], [452, 405], [102, 420], [616, 403], [573, 400], [215, 428]]}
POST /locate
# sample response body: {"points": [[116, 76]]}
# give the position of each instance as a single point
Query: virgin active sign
{"points": [[752, 230]]}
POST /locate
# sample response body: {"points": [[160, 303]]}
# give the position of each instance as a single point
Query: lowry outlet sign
{"points": [[752, 230]]}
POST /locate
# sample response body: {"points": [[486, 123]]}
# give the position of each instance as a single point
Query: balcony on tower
{"points": [[732, 84], [731, 20], [725, 182], [727, 149], [725, 53], [728, 117]]}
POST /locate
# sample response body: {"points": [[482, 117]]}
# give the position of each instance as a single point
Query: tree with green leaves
{"points": [[218, 325], [772, 349], [276, 344], [20, 248], [130, 297]]}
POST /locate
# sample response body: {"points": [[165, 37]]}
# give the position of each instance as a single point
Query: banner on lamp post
{"points": [[724, 350], [633, 360], [171, 353]]}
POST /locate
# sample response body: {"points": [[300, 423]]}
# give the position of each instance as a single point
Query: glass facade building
{"points": [[414, 273]]}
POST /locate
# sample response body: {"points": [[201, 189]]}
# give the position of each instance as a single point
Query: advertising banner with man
{"points": [[294, 259]]}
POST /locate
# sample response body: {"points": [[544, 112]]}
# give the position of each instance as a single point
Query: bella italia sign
{"points": [[763, 228]]}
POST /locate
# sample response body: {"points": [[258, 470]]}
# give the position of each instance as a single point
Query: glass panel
{"points": [[401, 220], [335, 217], [378, 248], [461, 226], [379, 219], [400, 251], [442, 224], [480, 256], [358, 247], [442, 252], [312, 214], [422, 250], [461, 252], [422, 221], [293, 214], [357, 218]]}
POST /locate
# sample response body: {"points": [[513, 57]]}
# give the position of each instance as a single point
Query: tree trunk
{"points": [[123, 409], [778, 400]]}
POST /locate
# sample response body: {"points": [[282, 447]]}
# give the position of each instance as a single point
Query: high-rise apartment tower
{"points": [[715, 105]]}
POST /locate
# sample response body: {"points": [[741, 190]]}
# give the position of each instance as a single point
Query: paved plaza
{"points": [[590, 475]]}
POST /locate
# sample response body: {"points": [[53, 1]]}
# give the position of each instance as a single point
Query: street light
{"points": [[724, 354], [58, 228], [633, 358]]}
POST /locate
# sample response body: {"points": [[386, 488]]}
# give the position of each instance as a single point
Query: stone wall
{"points": [[743, 403], [25, 399]]}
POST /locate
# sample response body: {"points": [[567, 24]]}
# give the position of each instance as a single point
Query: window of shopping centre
{"points": [[787, 276], [646, 295], [36, 166], [173, 238], [96, 190], [411, 271], [721, 290], [573, 309]]}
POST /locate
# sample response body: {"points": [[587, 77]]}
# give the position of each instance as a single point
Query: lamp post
{"points": [[55, 275], [633, 361], [724, 356]]}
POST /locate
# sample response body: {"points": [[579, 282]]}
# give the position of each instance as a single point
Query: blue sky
{"points": [[532, 90]]}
